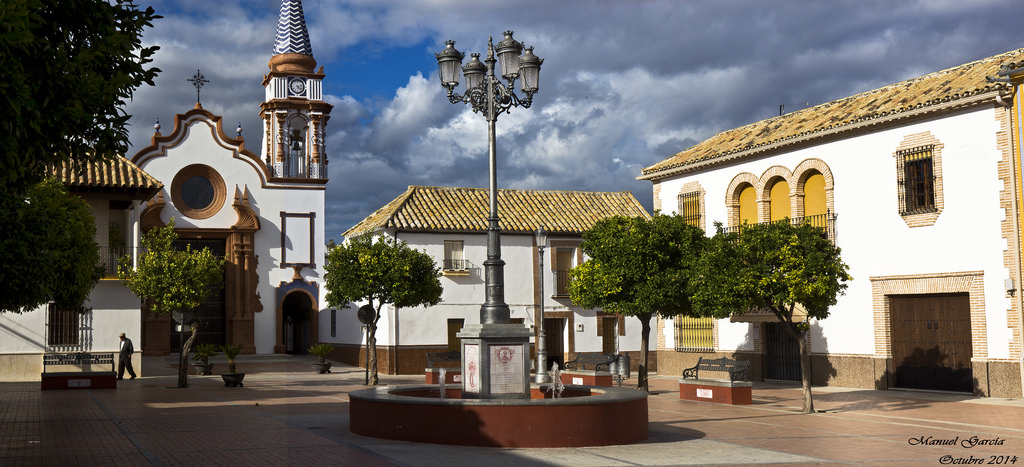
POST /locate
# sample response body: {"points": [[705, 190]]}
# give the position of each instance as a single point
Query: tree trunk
{"points": [[805, 371], [805, 362], [183, 358], [645, 338], [372, 353]]}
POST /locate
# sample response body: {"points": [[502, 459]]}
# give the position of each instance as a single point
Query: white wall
{"points": [[875, 240], [463, 295]]}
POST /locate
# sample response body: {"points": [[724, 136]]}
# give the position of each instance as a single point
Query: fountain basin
{"points": [[583, 416]]}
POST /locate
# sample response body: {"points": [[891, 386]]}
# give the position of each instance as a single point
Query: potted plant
{"points": [[202, 354], [232, 378], [321, 350]]}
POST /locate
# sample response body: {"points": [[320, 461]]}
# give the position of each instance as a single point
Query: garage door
{"points": [[931, 341]]}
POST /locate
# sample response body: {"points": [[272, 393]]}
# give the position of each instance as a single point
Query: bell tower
{"points": [[294, 113]]}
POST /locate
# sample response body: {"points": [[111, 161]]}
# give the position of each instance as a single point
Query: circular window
{"points": [[198, 191]]}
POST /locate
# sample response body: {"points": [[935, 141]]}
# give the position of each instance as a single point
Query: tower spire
{"points": [[292, 50], [292, 36]]}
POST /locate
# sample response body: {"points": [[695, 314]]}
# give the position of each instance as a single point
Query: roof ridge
{"points": [[888, 101], [461, 209]]}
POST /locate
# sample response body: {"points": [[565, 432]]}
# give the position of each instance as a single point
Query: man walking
{"points": [[125, 358]]}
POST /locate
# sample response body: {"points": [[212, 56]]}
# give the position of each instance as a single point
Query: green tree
{"points": [[776, 267], [380, 271], [172, 280], [638, 267], [48, 249], [66, 69]]}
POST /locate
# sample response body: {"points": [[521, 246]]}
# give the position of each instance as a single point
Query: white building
{"points": [[919, 183], [264, 213], [450, 224], [113, 191]]}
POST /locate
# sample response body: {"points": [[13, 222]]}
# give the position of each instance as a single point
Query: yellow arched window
{"points": [[814, 195], [779, 200], [748, 205]]}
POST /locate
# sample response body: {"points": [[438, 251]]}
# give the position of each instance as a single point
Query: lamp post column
{"points": [[494, 310], [542, 375], [495, 353]]}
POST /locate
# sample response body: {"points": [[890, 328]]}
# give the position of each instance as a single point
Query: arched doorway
{"points": [[297, 326]]}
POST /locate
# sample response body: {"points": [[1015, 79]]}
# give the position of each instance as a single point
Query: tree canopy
{"points": [[66, 69], [380, 271], [48, 249], [638, 267], [172, 279], [778, 267]]}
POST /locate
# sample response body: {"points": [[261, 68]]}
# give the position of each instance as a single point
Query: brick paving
{"points": [[287, 415]]}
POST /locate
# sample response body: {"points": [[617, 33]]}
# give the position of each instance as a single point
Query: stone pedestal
{"points": [[720, 391], [495, 361]]}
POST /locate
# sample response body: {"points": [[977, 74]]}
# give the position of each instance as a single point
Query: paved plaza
{"points": [[287, 415]]}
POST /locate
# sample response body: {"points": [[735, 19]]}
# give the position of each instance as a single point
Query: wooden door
{"points": [[608, 334], [554, 340], [211, 313], [931, 342], [454, 328], [782, 354]]}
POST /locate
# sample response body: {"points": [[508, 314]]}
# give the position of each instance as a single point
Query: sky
{"points": [[624, 84]]}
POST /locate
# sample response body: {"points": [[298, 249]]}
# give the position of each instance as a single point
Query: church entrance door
{"points": [[297, 329]]}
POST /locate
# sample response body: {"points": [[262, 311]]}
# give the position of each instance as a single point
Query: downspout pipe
{"points": [[1015, 153]]}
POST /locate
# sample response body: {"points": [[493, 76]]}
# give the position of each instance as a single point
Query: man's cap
{"points": [[120, 335]]}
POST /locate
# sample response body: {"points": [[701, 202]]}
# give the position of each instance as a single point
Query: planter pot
{"points": [[203, 369], [233, 379], [322, 368]]}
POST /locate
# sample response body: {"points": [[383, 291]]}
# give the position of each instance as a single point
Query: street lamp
{"points": [[542, 375], [490, 96]]}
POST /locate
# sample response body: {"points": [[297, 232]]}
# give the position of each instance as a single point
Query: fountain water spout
{"points": [[441, 375], [556, 387]]}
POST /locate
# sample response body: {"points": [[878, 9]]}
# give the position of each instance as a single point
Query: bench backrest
{"points": [[594, 360], [78, 359], [438, 357], [737, 369]]}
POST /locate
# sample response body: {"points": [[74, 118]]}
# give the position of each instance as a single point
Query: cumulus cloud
{"points": [[623, 85]]}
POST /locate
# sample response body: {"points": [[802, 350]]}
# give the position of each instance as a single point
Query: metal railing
{"points": [[826, 222], [561, 288], [456, 264], [110, 256]]}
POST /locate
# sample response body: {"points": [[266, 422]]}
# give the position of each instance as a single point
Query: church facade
{"points": [[261, 208]]}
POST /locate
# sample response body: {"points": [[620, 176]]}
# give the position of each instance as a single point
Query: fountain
{"points": [[557, 387], [598, 416], [441, 373], [497, 405]]}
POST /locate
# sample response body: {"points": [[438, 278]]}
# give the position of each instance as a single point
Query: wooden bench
{"points": [[734, 391], [82, 372], [589, 369], [452, 374]]}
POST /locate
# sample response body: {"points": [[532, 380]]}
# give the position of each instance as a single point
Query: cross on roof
{"points": [[198, 80]]}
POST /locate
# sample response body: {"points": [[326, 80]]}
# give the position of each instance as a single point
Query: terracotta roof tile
{"points": [[117, 175], [931, 92], [451, 209]]}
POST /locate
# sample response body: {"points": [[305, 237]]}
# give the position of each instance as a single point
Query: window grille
{"points": [[917, 180], [694, 334], [689, 208], [62, 327], [454, 259]]}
